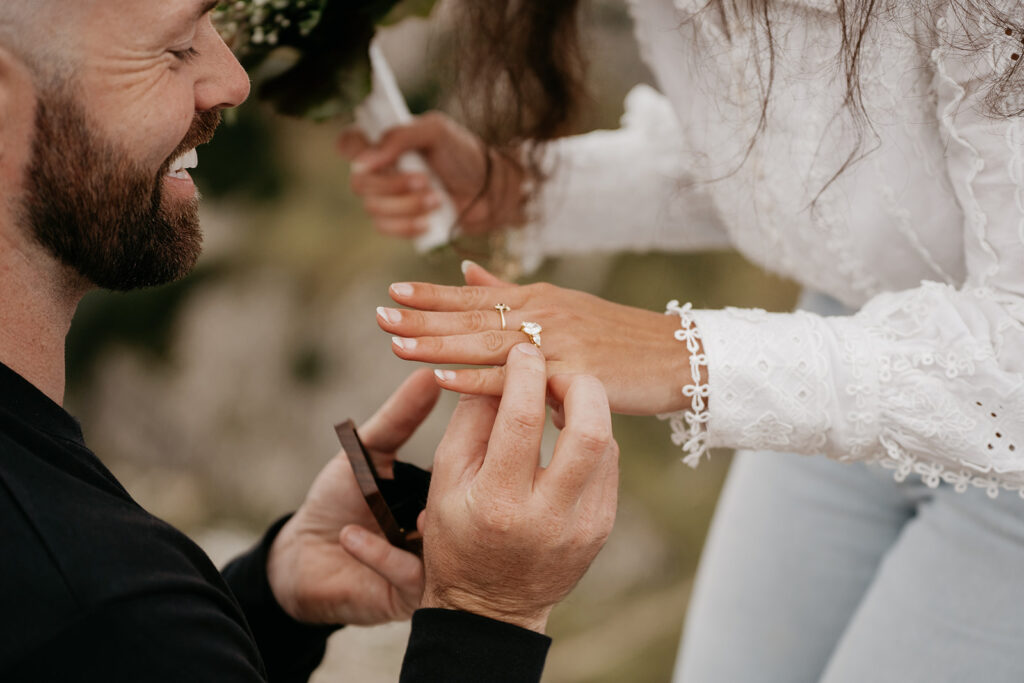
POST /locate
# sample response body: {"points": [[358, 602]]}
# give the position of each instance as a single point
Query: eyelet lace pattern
{"points": [[688, 426]]}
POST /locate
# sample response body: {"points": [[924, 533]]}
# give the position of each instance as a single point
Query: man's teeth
{"points": [[189, 159]]}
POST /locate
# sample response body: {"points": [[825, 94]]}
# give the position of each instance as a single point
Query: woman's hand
{"points": [[400, 202], [632, 351]]}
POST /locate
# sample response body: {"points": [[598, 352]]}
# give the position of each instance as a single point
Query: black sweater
{"points": [[94, 588]]}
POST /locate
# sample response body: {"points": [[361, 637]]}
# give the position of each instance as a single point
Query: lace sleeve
{"points": [[928, 381], [625, 189]]}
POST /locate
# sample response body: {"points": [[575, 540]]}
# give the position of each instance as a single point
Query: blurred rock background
{"points": [[213, 399]]}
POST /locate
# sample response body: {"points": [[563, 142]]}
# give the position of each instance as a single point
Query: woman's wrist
{"points": [[511, 188]]}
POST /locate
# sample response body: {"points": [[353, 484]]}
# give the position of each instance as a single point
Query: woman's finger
{"points": [[422, 133], [486, 381], [412, 205], [352, 142], [401, 227], [388, 183], [428, 297], [483, 348], [413, 323], [479, 276]]}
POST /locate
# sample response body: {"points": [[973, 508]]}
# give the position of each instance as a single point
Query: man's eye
{"points": [[185, 55]]}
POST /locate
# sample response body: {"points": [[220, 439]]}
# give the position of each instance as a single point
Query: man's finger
{"points": [[401, 569], [403, 412], [584, 444], [513, 453], [599, 501], [465, 440]]}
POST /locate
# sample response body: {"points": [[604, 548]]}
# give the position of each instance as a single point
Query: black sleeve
{"points": [[290, 649], [459, 647], [156, 638]]}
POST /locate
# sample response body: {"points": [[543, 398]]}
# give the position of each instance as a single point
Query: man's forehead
{"points": [[155, 15]]}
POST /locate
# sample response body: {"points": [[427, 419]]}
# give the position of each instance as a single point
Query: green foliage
{"points": [[309, 58]]}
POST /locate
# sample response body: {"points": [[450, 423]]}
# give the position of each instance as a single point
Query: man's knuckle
{"points": [[499, 516], [594, 440], [613, 452], [526, 423]]}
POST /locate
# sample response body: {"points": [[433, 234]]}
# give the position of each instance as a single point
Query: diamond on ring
{"points": [[532, 330], [502, 309]]}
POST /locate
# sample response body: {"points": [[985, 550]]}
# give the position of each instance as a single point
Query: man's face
{"points": [[104, 188]]}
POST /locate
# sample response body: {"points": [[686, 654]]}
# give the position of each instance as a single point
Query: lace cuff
{"points": [[775, 378], [689, 426]]}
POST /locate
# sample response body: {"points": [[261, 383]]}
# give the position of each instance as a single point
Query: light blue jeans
{"points": [[820, 571]]}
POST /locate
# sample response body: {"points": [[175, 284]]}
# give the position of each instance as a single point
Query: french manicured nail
{"points": [[390, 315], [444, 375], [528, 349], [401, 289], [432, 201], [359, 167], [467, 264], [418, 182], [404, 343]]}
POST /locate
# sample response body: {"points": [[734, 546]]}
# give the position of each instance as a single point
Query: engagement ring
{"points": [[532, 330]]}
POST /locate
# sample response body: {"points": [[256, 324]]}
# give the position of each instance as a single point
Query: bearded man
{"points": [[102, 103]]}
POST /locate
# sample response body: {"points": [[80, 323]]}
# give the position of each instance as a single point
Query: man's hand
{"points": [[504, 537], [325, 566]]}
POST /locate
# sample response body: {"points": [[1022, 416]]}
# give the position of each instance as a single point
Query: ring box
{"points": [[395, 503]]}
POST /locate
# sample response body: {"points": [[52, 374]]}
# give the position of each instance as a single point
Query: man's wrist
{"points": [[463, 601]]}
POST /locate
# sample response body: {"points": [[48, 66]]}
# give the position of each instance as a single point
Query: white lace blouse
{"points": [[924, 233]]}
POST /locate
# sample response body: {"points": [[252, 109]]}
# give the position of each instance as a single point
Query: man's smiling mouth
{"points": [[179, 166]]}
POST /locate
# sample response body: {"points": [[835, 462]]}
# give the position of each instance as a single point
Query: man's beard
{"points": [[99, 212]]}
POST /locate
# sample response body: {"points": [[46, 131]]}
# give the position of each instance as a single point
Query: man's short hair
{"points": [[28, 28]]}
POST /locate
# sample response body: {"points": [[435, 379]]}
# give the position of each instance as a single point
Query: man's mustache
{"points": [[204, 125]]}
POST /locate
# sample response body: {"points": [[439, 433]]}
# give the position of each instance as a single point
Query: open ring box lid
{"points": [[370, 483]]}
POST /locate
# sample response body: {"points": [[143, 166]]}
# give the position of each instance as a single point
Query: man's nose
{"points": [[223, 83]]}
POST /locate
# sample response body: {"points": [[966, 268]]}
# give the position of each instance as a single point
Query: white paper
{"points": [[383, 109]]}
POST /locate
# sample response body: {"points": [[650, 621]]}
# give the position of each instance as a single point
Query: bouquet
{"points": [[310, 58], [316, 59]]}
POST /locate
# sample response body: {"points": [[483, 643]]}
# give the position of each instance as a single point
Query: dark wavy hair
{"points": [[521, 67]]}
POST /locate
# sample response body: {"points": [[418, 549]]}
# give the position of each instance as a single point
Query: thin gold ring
{"points": [[532, 330], [502, 309]]}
